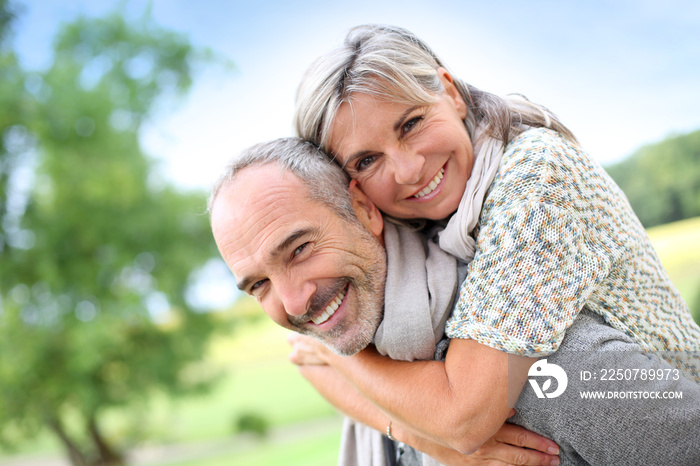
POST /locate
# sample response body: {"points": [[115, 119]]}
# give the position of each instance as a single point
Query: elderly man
{"points": [[312, 254]]}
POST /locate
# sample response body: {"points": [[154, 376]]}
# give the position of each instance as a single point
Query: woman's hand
{"points": [[511, 444], [307, 350], [505, 446]]}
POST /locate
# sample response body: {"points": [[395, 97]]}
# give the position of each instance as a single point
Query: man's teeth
{"points": [[330, 309], [433, 184]]}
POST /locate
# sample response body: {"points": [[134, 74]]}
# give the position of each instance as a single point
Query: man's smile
{"points": [[330, 308]]}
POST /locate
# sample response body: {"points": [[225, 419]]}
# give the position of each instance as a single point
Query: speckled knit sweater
{"points": [[557, 235]]}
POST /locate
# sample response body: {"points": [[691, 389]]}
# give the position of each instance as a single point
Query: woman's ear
{"points": [[452, 92], [365, 210]]}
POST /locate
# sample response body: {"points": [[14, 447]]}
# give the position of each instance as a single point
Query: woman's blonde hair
{"points": [[392, 64]]}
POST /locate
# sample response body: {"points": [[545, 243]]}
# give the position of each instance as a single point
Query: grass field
{"points": [[258, 378], [678, 245]]}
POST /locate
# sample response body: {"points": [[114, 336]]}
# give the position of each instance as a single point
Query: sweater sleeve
{"points": [[533, 272]]}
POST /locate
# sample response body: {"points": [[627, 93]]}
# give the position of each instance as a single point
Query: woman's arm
{"points": [[511, 444], [460, 403]]}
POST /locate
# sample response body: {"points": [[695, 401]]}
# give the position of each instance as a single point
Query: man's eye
{"points": [[255, 286], [298, 250]]}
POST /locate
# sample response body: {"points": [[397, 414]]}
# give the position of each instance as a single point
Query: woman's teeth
{"points": [[330, 309], [433, 184]]}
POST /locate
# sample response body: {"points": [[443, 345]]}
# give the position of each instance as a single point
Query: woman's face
{"points": [[412, 161]]}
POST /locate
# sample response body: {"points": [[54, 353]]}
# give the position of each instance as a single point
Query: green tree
{"points": [[95, 272], [662, 180], [15, 111]]}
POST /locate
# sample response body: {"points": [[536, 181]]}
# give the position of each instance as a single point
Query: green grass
{"points": [[257, 378], [319, 450], [270, 387], [678, 246], [261, 380]]}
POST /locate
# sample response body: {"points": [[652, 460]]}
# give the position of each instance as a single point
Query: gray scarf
{"points": [[421, 285], [456, 237]]}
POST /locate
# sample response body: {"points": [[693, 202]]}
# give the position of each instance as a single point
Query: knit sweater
{"points": [[556, 235]]}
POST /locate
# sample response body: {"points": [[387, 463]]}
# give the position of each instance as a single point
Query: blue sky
{"points": [[620, 73]]}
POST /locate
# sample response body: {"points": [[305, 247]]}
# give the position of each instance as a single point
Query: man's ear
{"points": [[365, 210], [452, 92]]}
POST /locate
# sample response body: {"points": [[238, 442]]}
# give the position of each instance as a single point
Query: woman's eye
{"points": [[364, 163], [410, 124]]}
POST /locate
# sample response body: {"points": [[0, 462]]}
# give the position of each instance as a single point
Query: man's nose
{"points": [[408, 167], [296, 296]]}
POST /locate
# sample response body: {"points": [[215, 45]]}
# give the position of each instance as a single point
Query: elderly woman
{"points": [[546, 233]]}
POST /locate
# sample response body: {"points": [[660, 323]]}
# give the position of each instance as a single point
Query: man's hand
{"points": [[307, 350]]}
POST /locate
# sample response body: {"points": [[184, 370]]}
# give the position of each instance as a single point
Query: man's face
{"points": [[311, 270]]}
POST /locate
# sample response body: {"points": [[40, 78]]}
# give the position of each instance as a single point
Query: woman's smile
{"points": [[425, 193]]}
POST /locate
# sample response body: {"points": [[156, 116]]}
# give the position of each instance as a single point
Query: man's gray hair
{"points": [[326, 181]]}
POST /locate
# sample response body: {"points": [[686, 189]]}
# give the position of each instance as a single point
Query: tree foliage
{"points": [[662, 181], [98, 254], [16, 109]]}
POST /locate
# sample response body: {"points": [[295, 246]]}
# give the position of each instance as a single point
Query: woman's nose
{"points": [[408, 168]]}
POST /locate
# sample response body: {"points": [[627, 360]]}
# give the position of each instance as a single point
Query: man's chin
{"points": [[347, 338], [346, 351], [347, 348]]}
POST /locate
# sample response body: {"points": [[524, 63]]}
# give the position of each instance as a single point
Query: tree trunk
{"points": [[76, 457], [107, 455]]}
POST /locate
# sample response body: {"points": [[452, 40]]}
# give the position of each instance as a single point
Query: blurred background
{"points": [[122, 337]]}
